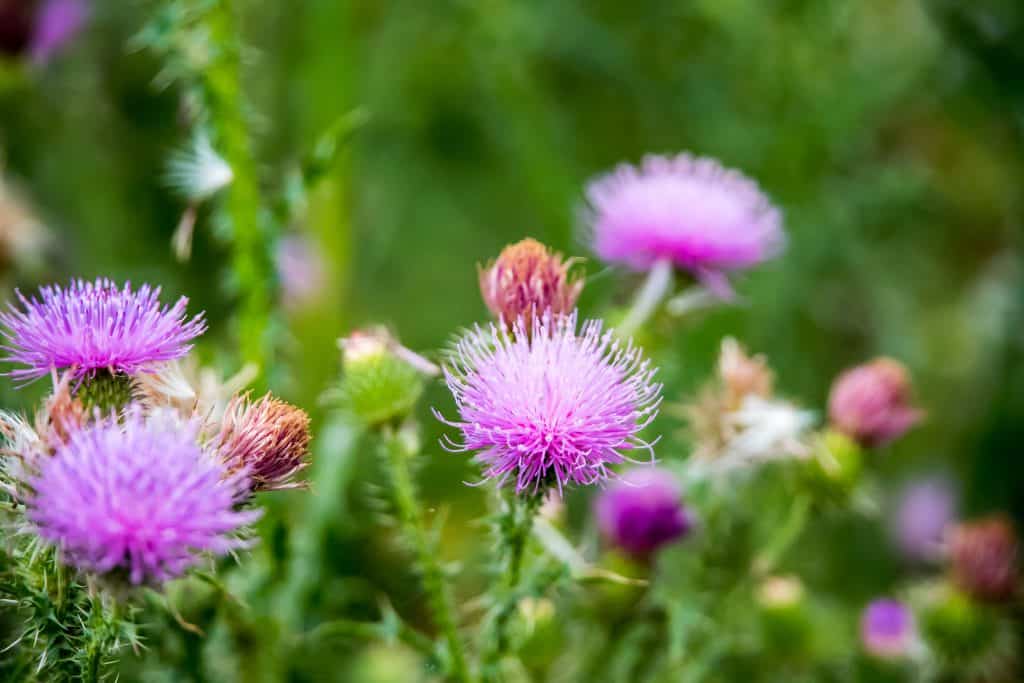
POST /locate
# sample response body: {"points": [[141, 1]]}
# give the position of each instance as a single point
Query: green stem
{"points": [[410, 513], [514, 530], [251, 262]]}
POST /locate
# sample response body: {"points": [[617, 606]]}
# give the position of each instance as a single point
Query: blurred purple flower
{"points": [[93, 326], [642, 511], [925, 509], [887, 628], [871, 403], [692, 211], [301, 270], [555, 407], [40, 29], [57, 22], [138, 496]]}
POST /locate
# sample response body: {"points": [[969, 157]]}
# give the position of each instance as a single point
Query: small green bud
{"points": [[379, 382], [838, 459], [783, 610], [965, 635]]}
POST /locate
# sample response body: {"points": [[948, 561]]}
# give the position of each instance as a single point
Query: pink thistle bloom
{"points": [[94, 326], [642, 511], [139, 497], [559, 406], [887, 629], [690, 211], [871, 403]]}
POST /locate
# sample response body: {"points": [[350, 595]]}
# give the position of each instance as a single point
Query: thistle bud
{"points": [[382, 380], [783, 612], [887, 629], [983, 557], [968, 638], [526, 280], [871, 403], [268, 438]]}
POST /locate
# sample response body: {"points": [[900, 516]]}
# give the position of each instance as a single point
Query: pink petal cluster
{"points": [[871, 403], [93, 326], [887, 628], [558, 406], [138, 497], [692, 211]]}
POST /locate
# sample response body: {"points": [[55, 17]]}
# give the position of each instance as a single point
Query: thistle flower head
{"points": [[871, 403], [57, 23], [925, 510], [887, 629], [560, 406], [642, 512], [267, 438], [984, 558], [526, 280], [137, 497], [692, 211], [95, 326]]}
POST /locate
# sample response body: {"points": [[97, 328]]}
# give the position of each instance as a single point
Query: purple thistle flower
{"points": [[57, 22], [887, 628], [558, 406], [691, 211], [139, 496], [93, 326], [642, 511], [925, 510]]}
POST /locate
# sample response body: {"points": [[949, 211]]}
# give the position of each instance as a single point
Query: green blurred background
{"points": [[890, 132]]}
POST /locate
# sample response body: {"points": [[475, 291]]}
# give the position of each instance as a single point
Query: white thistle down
{"points": [[197, 172]]}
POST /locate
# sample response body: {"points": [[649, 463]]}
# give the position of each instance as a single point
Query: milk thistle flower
{"points": [[689, 211], [642, 512], [93, 327], [527, 280], [558, 407], [138, 497], [984, 558], [871, 403], [887, 629], [267, 438]]}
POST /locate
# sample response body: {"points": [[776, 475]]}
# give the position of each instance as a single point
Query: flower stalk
{"points": [[398, 449]]}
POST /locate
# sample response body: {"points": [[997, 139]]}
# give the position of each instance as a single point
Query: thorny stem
{"points": [[250, 260], [514, 529], [656, 287], [410, 513]]}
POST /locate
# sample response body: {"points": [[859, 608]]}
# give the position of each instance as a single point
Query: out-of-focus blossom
{"points": [[138, 496], [558, 407], [22, 236], [872, 404], [924, 511], [526, 281], [267, 438], [95, 326], [780, 592], [39, 29], [643, 511], [691, 211], [738, 421], [984, 558], [887, 629], [301, 269], [382, 380]]}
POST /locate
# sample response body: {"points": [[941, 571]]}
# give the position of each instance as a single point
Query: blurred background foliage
{"points": [[890, 132]]}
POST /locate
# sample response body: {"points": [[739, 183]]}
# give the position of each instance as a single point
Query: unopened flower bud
{"points": [[382, 380], [838, 460], [871, 403], [267, 438], [887, 629], [983, 557], [526, 281], [643, 511], [966, 636]]}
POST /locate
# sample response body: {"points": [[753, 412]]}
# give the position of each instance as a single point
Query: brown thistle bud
{"points": [[983, 558], [526, 280], [268, 437], [871, 403]]}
